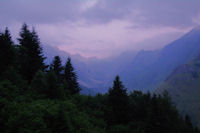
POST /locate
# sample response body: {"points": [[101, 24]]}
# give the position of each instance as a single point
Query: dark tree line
{"points": [[35, 97], [7, 53], [31, 59], [27, 60]]}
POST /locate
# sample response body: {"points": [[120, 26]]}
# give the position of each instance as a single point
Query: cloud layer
{"points": [[102, 27]]}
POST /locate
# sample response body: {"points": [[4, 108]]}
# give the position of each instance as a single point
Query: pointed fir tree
{"points": [[53, 88], [52, 85], [7, 51], [30, 53], [7, 36], [38, 84], [118, 102], [70, 79], [188, 124], [57, 67]]}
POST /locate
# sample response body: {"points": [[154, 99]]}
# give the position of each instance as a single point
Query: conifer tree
{"points": [[7, 36], [52, 89], [7, 53], [118, 101], [38, 83], [188, 123], [70, 78], [57, 66], [30, 52]]}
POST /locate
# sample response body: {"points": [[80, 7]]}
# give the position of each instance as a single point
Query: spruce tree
{"points": [[57, 66], [7, 36], [7, 51], [188, 124], [118, 102], [30, 53], [52, 89], [38, 84], [70, 78]]}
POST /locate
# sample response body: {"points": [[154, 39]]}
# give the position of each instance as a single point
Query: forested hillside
{"points": [[45, 98], [183, 86]]}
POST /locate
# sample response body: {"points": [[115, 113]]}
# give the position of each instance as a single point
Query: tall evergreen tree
{"points": [[188, 123], [57, 66], [31, 57], [38, 84], [118, 102], [53, 89], [70, 78], [7, 36], [7, 51]]}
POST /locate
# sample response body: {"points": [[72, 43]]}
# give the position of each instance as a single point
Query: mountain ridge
{"points": [[143, 70], [154, 66], [183, 85]]}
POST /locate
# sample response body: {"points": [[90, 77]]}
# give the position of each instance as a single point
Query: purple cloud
{"points": [[102, 27]]}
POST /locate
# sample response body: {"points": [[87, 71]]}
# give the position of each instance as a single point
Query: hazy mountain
{"points": [[144, 70], [79, 63], [149, 68], [95, 75], [183, 86]]}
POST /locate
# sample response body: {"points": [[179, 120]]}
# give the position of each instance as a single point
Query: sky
{"points": [[102, 28]]}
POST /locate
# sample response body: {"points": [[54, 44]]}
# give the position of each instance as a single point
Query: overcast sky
{"points": [[102, 28]]}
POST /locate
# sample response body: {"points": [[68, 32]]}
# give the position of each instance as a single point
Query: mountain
{"points": [[183, 85], [144, 70], [95, 75], [150, 68], [79, 63]]}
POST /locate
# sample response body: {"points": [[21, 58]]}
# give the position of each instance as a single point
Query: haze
{"points": [[102, 28]]}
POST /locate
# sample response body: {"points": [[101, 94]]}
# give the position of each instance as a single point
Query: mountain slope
{"points": [[183, 86], [80, 66], [144, 70], [150, 68], [95, 75]]}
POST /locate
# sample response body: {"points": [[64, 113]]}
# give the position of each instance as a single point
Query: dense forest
{"points": [[45, 98]]}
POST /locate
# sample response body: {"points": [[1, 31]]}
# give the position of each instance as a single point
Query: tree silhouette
{"points": [[38, 83], [118, 102], [188, 123], [53, 90], [57, 66], [30, 52], [7, 53], [70, 78]]}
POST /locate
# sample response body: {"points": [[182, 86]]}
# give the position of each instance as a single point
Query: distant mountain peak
{"points": [[194, 33], [196, 29]]}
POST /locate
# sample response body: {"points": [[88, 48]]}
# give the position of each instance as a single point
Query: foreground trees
{"points": [[70, 78], [117, 103], [7, 51], [28, 112], [57, 67], [30, 53]]}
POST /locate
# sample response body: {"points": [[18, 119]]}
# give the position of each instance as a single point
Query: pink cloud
{"points": [[103, 40]]}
